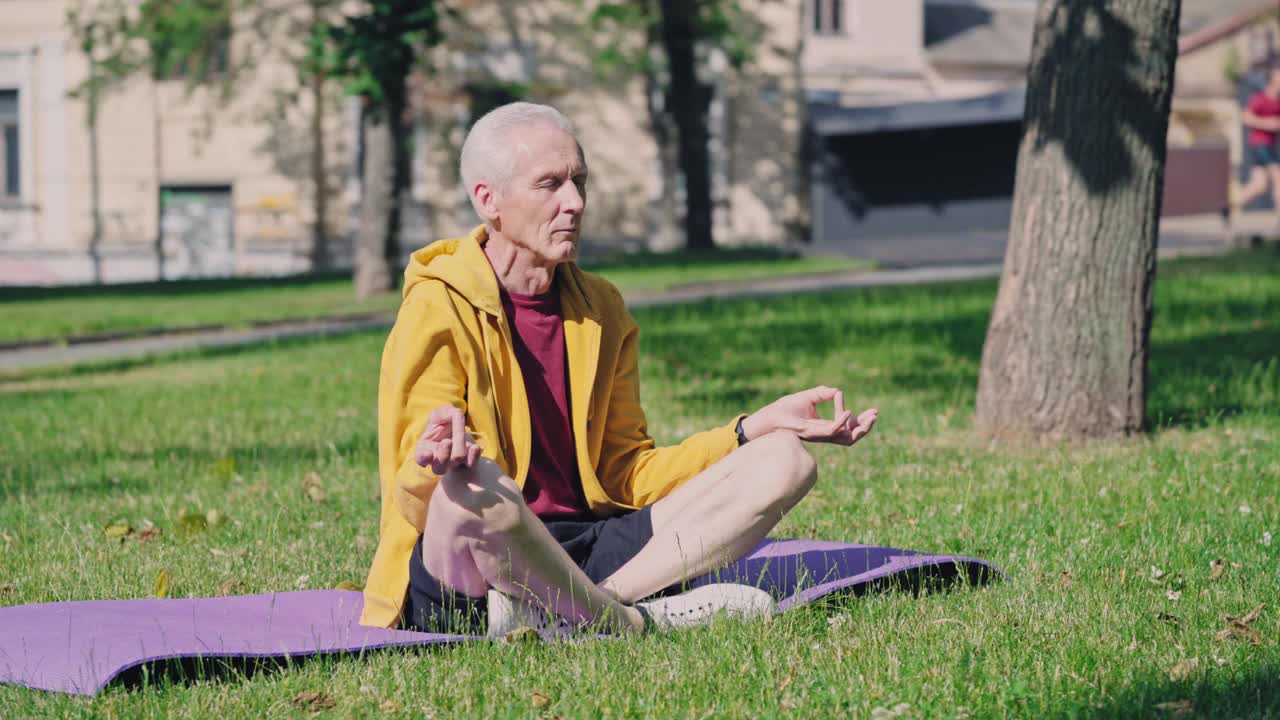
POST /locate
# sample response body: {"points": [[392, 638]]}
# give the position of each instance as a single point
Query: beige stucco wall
{"points": [[878, 56], [150, 135]]}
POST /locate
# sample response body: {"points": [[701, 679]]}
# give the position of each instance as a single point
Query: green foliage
{"points": [[375, 51], [371, 51], [719, 24], [187, 38]]}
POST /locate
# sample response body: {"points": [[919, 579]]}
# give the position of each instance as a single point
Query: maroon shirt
{"points": [[553, 487], [1263, 106]]}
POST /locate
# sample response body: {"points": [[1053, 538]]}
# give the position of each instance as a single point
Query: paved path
{"points": [[42, 356]]}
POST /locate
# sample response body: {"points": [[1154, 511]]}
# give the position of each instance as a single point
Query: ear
{"points": [[486, 201]]}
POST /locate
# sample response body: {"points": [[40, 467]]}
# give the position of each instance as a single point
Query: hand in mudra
{"points": [[445, 443], [798, 413]]}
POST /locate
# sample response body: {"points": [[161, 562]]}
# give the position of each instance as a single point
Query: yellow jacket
{"points": [[451, 343]]}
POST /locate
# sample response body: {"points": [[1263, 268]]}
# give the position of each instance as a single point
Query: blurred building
{"points": [[916, 111], [182, 185], [178, 183], [853, 121]]}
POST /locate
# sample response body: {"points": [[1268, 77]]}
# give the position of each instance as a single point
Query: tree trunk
{"points": [[377, 257], [688, 100], [320, 255], [319, 180], [95, 169], [1066, 351]]}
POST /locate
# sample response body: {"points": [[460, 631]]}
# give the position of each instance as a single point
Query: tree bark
{"points": [[95, 169], [1065, 357], [377, 256], [689, 100], [320, 256]]}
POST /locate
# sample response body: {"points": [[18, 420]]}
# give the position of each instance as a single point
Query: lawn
{"points": [[1110, 607], [54, 313]]}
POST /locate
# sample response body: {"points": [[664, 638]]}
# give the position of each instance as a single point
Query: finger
{"points": [[473, 455], [458, 446], [424, 452], [821, 393], [839, 403], [821, 430], [440, 461]]}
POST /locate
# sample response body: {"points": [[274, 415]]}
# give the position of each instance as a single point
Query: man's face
{"points": [[540, 208]]}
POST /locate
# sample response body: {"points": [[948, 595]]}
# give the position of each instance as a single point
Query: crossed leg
{"points": [[483, 535], [718, 515]]}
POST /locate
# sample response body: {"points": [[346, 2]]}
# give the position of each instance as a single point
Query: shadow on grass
{"points": [[1220, 693], [82, 474], [164, 288], [198, 670], [1191, 381], [95, 367]]}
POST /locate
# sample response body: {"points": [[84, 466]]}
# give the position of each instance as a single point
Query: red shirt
{"points": [[1264, 107], [552, 487]]}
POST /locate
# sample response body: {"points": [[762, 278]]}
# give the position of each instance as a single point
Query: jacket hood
{"points": [[461, 264]]}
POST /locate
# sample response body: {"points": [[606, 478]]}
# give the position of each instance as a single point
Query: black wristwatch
{"points": [[742, 437]]}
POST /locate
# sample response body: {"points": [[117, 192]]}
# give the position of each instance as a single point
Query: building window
{"points": [[826, 16], [10, 145]]}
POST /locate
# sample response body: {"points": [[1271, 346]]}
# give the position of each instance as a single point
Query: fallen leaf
{"points": [[1173, 594], [539, 699], [149, 533], [1123, 524], [1266, 538], [312, 488], [348, 585], [1184, 669], [224, 468], [1064, 580], [118, 530], [1177, 708], [1249, 617], [1216, 569], [212, 518], [228, 585], [1244, 508], [389, 706], [192, 523], [162, 584], [301, 582], [314, 700], [1239, 631], [1156, 573], [7, 588], [522, 634]]}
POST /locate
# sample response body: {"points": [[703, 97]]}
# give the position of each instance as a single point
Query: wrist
{"points": [[751, 428]]}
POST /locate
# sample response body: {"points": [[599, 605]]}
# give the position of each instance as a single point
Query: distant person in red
{"points": [[1262, 117]]}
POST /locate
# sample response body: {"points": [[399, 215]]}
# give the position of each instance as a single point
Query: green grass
{"points": [[53, 313], [1079, 629]]}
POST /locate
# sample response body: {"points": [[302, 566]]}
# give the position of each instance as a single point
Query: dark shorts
{"points": [[598, 546], [1263, 155]]}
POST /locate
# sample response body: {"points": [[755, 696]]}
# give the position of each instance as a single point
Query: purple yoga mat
{"points": [[79, 647]]}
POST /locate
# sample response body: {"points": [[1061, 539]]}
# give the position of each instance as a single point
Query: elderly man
{"points": [[519, 482]]}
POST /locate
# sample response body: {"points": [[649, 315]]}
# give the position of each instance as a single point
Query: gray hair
{"points": [[486, 153]]}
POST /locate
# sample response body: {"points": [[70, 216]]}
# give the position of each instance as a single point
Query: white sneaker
{"points": [[508, 615], [701, 605]]}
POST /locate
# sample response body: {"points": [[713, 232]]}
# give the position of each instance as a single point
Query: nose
{"points": [[572, 199]]}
